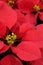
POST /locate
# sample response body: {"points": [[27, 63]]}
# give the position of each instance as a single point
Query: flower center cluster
{"points": [[11, 2], [11, 38], [36, 8]]}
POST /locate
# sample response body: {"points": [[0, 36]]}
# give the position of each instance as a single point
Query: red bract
{"points": [[10, 60], [31, 6], [39, 61], [20, 17], [7, 15], [35, 35], [4, 0], [30, 18]]}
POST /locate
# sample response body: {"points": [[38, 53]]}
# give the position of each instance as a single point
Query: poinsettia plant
{"points": [[21, 36]]}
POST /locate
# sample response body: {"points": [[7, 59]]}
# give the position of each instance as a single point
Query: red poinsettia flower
{"points": [[14, 41], [31, 6]]}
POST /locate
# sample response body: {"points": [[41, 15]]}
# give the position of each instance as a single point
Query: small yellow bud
{"points": [[11, 2], [36, 7]]}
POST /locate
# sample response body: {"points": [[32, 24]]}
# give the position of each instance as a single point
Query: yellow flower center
{"points": [[36, 8], [11, 38], [11, 2]]}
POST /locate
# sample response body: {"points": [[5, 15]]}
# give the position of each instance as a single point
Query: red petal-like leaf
{"points": [[10, 60], [4, 49], [31, 18], [2, 29], [7, 15], [1, 45], [37, 62], [25, 27], [27, 51], [35, 36]]}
